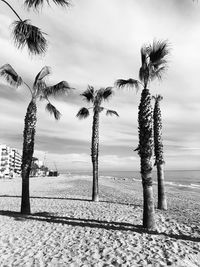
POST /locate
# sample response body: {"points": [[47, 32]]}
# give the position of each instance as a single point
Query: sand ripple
{"points": [[64, 231]]}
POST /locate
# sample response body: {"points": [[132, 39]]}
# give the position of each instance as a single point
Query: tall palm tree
{"points": [[95, 97], [26, 34], [158, 151], [153, 59], [39, 91]]}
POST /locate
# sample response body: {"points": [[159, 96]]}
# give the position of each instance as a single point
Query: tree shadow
{"points": [[91, 223], [58, 198], [120, 203], [78, 199]]}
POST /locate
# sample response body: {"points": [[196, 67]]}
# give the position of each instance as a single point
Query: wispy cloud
{"points": [[96, 42]]}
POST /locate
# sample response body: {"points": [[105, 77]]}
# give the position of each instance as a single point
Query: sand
{"points": [[67, 229]]}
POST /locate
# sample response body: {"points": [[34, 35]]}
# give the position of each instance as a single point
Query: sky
{"points": [[96, 42]]}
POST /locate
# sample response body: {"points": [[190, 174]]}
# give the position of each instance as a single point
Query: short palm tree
{"points": [[158, 151], [95, 97], [39, 91], [153, 59], [25, 34]]}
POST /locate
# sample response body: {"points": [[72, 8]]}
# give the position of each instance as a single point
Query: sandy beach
{"points": [[67, 229]]}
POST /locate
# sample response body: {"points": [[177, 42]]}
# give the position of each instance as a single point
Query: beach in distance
{"points": [[66, 228]]}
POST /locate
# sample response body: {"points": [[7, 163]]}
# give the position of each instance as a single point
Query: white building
{"points": [[10, 161]]}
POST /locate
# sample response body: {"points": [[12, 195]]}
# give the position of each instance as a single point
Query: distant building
{"points": [[53, 173], [10, 161], [37, 168]]}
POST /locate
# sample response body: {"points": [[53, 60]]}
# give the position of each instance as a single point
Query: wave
{"points": [[136, 180], [107, 176], [171, 183], [195, 185], [174, 184], [167, 183]]}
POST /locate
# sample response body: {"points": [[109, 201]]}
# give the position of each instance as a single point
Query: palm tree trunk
{"points": [[162, 200], [148, 199], [28, 149], [145, 119], [158, 150], [94, 154]]}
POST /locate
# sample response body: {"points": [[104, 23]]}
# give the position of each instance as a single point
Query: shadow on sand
{"points": [[100, 224], [78, 199]]}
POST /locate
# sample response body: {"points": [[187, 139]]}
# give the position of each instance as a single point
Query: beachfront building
{"points": [[10, 162]]}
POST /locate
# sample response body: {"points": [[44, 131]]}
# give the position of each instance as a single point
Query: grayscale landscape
{"points": [[99, 133]]}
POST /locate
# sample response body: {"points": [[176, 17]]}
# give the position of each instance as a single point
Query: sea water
{"points": [[182, 179]]}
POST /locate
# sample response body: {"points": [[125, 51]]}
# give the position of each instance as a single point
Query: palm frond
{"points": [[24, 33], [101, 109], [142, 73], [158, 64], [158, 73], [88, 94], [143, 52], [39, 89], [83, 113], [10, 75], [42, 74], [37, 3], [53, 110], [158, 50], [57, 89], [120, 83], [112, 112], [157, 97], [105, 93]]}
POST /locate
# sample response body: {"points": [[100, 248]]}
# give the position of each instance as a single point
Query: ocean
{"points": [[189, 179]]}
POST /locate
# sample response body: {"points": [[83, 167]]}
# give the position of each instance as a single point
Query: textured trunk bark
{"points": [[145, 120], [158, 150], [94, 155], [28, 149], [148, 208], [162, 201], [148, 199]]}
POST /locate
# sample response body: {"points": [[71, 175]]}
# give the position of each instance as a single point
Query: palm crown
{"points": [[96, 97], [153, 65], [26, 34], [39, 89], [157, 98]]}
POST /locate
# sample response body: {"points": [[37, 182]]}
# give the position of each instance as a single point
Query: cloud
{"points": [[82, 161], [96, 42], [10, 94]]}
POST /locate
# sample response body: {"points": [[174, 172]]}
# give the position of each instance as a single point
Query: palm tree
{"points": [[95, 97], [37, 3], [158, 151], [26, 34], [39, 91], [153, 59]]}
